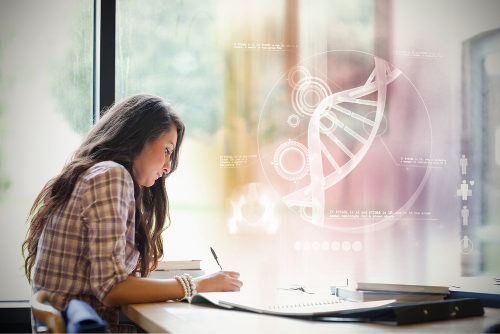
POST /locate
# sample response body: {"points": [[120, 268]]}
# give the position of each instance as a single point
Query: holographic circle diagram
{"points": [[334, 150], [285, 161]]}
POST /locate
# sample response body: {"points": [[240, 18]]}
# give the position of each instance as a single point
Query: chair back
{"points": [[47, 313]]}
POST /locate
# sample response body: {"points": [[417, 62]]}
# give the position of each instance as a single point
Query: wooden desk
{"points": [[178, 317]]}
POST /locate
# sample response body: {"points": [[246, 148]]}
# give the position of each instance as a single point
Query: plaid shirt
{"points": [[88, 246]]}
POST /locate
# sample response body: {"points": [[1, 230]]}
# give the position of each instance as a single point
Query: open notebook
{"points": [[283, 302]]}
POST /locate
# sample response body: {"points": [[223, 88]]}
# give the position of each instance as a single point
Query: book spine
{"points": [[402, 288], [172, 273]]}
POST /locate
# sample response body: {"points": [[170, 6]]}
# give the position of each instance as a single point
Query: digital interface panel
{"points": [[340, 120]]}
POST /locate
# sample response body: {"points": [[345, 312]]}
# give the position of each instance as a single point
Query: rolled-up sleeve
{"points": [[107, 204]]}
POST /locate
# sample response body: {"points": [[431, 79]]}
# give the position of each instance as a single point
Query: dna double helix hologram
{"points": [[313, 195]]}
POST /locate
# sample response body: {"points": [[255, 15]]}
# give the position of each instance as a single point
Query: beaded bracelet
{"points": [[188, 286], [184, 287], [192, 285]]}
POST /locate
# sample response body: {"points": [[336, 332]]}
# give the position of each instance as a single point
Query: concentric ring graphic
{"points": [[287, 151], [308, 93]]}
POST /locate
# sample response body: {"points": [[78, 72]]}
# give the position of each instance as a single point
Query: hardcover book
{"points": [[364, 296], [401, 287], [179, 265]]}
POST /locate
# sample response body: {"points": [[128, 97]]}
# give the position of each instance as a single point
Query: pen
{"points": [[215, 257]]}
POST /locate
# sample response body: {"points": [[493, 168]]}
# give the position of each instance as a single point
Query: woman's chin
{"points": [[147, 184]]}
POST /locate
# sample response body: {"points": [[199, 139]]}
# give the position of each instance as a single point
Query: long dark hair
{"points": [[118, 136]]}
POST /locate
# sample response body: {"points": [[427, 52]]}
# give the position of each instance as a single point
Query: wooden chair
{"points": [[47, 313]]}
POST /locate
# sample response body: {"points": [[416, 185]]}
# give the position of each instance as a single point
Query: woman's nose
{"points": [[166, 165]]}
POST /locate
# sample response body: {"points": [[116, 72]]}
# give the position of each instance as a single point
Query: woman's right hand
{"points": [[219, 281]]}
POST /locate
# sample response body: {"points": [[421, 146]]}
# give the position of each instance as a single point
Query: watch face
{"points": [[345, 140]]}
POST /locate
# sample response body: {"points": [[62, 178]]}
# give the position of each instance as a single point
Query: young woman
{"points": [[95, 229]]}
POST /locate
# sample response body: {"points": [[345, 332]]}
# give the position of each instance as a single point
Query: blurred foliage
{"points": [[72, 84], [167, 48], [170, 49]]}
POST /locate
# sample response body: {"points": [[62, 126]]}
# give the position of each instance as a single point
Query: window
{"points": [[173, 49], [45, 108], [232, 70], [481, 147]]}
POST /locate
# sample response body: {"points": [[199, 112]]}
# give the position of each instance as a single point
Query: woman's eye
{"points": [[167, 151]]}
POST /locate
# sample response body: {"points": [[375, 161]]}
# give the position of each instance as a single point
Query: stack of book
{"points": [[169, 269], [363, 292]]}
